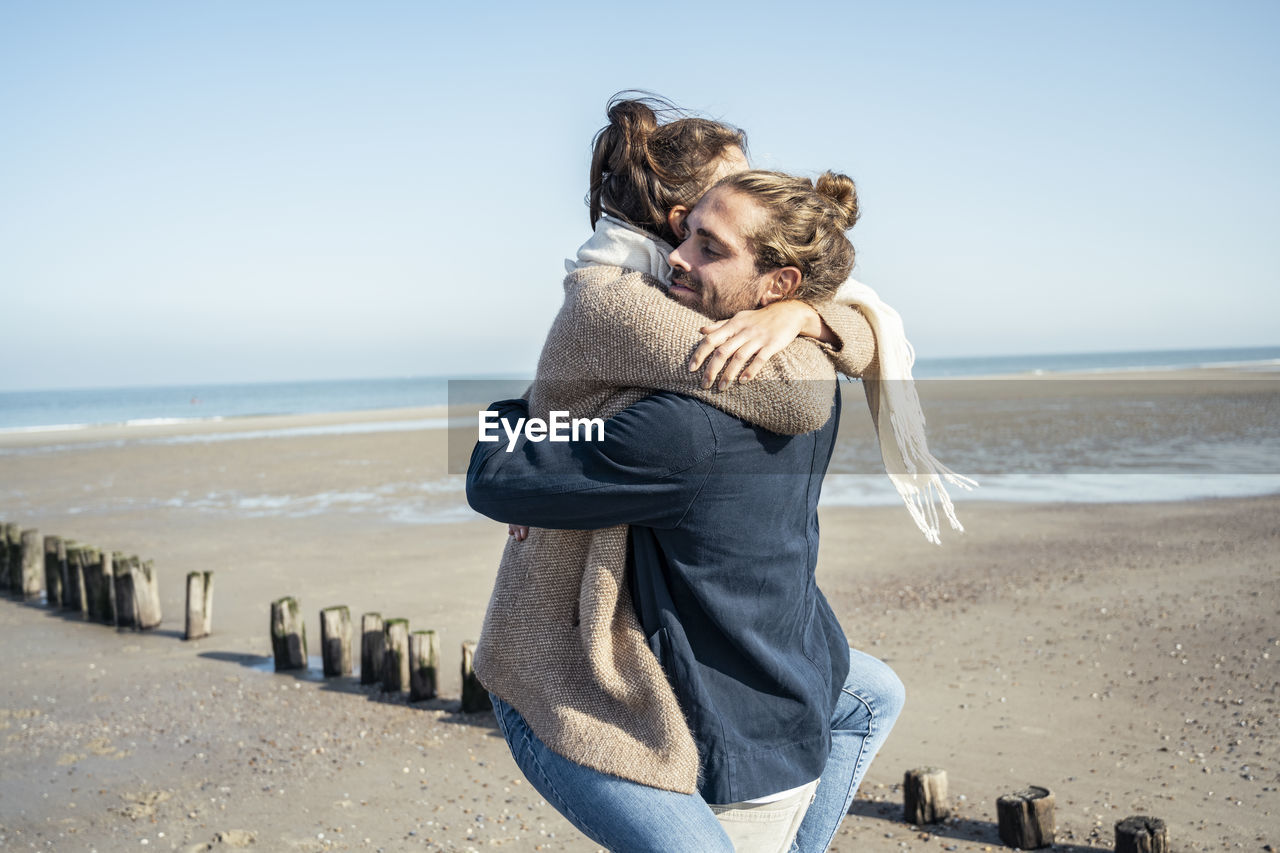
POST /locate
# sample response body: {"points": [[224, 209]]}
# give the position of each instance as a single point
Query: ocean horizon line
{"points": [[52, 410], [1269, 352]]}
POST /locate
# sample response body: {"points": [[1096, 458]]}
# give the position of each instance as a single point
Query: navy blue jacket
{"points": [[721, 557]]}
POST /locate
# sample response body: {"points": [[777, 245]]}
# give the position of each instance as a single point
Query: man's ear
{"points": [[675, 220], [783, 282]]}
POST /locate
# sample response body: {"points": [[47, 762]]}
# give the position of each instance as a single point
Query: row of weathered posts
{"points": [[1025, 818], [107, 587], [103, 586], [390, 654]]}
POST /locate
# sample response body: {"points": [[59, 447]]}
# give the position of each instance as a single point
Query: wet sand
{"points": [[1123, 655]]}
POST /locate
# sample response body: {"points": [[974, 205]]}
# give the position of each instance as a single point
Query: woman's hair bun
{"points": [[633, 122], [840, 191]]}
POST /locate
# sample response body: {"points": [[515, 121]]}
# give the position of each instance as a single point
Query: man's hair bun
{"points": [[839, 190]]}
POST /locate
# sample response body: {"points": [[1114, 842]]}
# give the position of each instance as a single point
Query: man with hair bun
{"points": [[792, 235], [721, 555]]}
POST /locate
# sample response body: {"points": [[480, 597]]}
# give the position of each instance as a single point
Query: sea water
{"points": [[139, 406], [1138, 451]]}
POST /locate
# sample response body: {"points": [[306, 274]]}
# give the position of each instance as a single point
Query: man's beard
{"points": [[721, 306], [691, 297]]}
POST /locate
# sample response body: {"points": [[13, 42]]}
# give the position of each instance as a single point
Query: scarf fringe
{"points": [[899, 420]]}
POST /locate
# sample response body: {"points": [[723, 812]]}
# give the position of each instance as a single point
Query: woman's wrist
{"points": [[812, 324]]}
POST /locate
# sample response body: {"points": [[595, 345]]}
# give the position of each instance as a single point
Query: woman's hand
{"points": [[737, 349], [519, 531]]}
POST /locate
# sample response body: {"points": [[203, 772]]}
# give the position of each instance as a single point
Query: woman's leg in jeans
{"points": [[869, 704], [625, 817]]}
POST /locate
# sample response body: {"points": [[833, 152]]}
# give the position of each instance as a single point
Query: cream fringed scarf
{"points": [[899, 420], [891, 392]]}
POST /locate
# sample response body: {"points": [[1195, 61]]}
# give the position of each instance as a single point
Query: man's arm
{"points": [[646, 469]]}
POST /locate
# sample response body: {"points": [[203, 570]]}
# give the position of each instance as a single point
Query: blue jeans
{"points": [[625, 816], [622, 816], [870, 702]]}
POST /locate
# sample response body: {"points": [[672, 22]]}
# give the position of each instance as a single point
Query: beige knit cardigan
{"points": [[561, 642]]}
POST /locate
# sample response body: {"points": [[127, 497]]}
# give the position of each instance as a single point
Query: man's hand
{"points": [[519, 531], [738, 348]]}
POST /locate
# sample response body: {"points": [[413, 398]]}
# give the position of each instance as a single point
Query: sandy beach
{"points": [[1123, 655]]}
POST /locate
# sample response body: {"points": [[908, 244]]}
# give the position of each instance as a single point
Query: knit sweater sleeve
{"points": [[855, 349], [626, 332]]}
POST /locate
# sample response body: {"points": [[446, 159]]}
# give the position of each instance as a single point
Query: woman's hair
{"points": [[650, 158], [803, 226]]}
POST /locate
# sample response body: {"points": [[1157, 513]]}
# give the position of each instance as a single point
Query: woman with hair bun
{"points": [[587, 710]]}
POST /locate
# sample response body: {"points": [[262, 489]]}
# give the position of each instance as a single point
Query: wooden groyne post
{"points": [[91, 578], [126, 606], [55, 556], [4, 556], [30, 580], [11, 540], [1026, 818], [100, 587], [73, 591], [288, 635], [335, 641], [1141, 834], [199, 605], [373, 647], [924, 796], [69, 579], [137, 592], [424, 664], [474, 696], [395, 666]]}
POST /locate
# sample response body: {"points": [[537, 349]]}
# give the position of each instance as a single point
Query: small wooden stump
{"points": [[288, 635], [395, 662], [30, 581], [54, 557], [126, 601], [1141, 834], [146, 593], [11, 571], [474, 695], [99, 586], [1026, 818], [17, 560], [107, 602], [137, 601], [74, 596], [924, 796], [335, 641], [373, 647], [199, 605], [4, 557], [68, 574], [424, 664], [91, 575]]}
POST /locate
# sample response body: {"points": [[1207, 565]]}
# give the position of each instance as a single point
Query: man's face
{"points": [[714, 269]]}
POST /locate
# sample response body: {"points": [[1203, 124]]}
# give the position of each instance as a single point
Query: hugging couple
{"points": [[661, 662]]}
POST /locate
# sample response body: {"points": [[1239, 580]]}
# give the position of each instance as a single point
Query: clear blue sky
{"points": [[239, 191]]}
